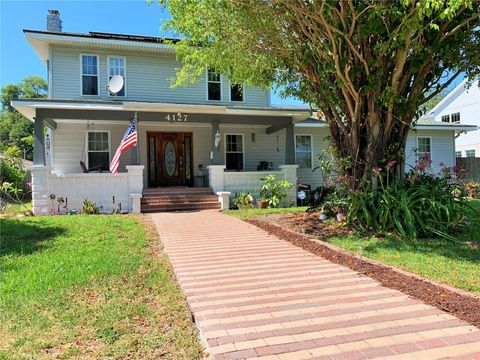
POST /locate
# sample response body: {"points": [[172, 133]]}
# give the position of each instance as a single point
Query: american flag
{"points": [[129, 140]]}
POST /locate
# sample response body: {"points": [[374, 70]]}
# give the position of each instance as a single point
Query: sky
{"points": [[17, 57]]}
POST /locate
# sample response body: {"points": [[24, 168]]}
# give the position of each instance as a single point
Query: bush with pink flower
{"points": [[420, 205]]}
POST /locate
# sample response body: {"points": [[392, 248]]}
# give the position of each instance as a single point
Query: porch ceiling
{"points": [[51, 110]]}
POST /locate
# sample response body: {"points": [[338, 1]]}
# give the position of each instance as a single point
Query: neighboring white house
{"points": [[213, 134], [462, 104]]}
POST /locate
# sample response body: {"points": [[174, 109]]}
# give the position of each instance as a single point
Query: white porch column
{"points": [[40, 189], [135, 186], [290, 174], [216, 179]]}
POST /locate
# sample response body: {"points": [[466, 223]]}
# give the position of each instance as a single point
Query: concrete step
{"points": [[179, 207], [176, 191], [179, 199]]}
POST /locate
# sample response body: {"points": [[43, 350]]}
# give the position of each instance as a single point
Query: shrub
{"points": [[243, 201], [90, 208], [12, 178], [12, 171], [417, 206], [273, 191]]}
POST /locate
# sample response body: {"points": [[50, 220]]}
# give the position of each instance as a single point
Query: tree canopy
{"points": [[368, 65], [15, 129]]}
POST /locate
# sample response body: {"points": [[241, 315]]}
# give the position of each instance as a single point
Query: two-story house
{"points": [[213, 138], [462, 104]]}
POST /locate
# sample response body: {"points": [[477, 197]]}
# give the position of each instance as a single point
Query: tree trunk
{"points": [[365, 145]]}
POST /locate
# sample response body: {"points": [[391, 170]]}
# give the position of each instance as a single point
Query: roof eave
{"points": [[41, 41], [27, 107]]}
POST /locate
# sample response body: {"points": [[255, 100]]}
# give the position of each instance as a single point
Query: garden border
{"points": [[460, 303]]}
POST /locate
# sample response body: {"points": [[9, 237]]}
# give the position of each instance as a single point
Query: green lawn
{"points": [[246, 214], [454, 263], [13, 209], [89, 287]]}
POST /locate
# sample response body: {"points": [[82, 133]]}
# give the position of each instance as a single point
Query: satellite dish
{"points": [[115, 84]]}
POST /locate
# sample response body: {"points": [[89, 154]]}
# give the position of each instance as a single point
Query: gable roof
{"points": [[451, 96]]}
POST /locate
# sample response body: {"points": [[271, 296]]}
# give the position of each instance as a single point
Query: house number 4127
{"points": [[175, 117]]}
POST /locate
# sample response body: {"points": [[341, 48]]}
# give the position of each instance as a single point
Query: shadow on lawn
{"points": [[22, 237]]}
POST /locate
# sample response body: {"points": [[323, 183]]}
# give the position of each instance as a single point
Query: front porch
{"points": [[208, 146]]}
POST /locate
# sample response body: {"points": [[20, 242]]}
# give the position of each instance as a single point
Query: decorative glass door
{"points": [[170, 159]]}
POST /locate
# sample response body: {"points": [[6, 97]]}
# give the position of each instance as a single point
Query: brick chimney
{"points": [[53, 21]]}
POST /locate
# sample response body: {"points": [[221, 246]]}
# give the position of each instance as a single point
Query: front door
{"points": [[169, 159]]}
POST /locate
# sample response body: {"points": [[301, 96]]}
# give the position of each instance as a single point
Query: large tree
{"points": [[15, 129], [368, 65]]}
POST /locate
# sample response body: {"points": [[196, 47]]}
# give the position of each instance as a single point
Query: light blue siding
{"points": [[147, 79]]}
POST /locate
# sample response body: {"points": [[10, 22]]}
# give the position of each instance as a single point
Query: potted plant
{"points": [[262, 203], [273, 191], [264, 166]]}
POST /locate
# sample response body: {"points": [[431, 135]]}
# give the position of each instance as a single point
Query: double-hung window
{"points": [[214, 85], [424, 146], [234, 151], [303, 151], [236, 92], [89, 74], [470, 153], [446, 118], [116, 66], [458, 154], [456, 117], [98, 149]]}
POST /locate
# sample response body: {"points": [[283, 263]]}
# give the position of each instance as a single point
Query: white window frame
{"points": [[311, 149], [431, 146], [109, 145], [451, 117], [225, 149], [467, 155], [81, 74], [230, 93], [221, 86], [124, 74], [458, 154]]}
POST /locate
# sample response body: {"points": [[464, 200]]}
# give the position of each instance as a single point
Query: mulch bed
{"points": [[462, 304]]}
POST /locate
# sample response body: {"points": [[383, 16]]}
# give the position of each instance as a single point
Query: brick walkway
{"points": [[256, 296]]}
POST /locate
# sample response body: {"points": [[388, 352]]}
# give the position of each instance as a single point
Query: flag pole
{"points": [[134, 153]]}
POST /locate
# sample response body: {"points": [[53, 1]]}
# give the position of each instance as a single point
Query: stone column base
{"points": [[224, 199], [136, 203]]}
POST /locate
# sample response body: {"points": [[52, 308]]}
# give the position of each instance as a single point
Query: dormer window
{"points": [[89, 74], [236, 92], [214, 85], [116, 66], [456, 117]]}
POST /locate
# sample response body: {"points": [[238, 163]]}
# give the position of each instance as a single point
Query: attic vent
{"points": [[53, 21]]}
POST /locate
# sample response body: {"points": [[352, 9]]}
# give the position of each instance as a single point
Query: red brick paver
{"points": [[256, 296]]}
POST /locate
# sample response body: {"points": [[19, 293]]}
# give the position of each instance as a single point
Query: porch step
{"points": [[178, 199], [179, 207], [176, 191], [174, 199]]}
